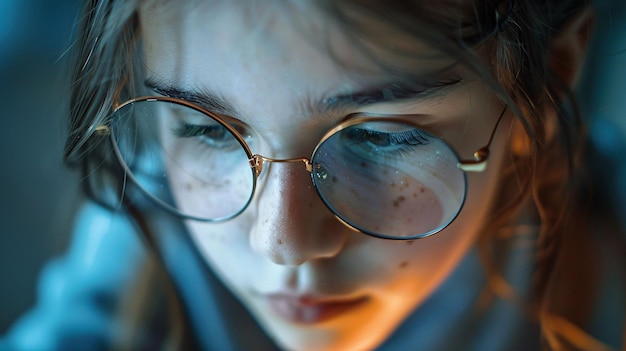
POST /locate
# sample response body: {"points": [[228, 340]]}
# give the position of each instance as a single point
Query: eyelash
{"points": [[200, 132], [410, 137], [387, 144]]}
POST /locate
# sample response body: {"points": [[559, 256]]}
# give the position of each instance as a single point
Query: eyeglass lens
{"points": [[388, 179]]}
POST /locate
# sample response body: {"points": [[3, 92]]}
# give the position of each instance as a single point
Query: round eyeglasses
{"points": [[380, 175]]}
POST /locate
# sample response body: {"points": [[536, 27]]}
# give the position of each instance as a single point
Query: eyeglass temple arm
{"points": [[479, 163], [103, 129]]}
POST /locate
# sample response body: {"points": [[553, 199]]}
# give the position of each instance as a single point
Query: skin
{"points": [[287, 258]]}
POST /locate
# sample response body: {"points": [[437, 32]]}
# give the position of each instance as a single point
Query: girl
{"points": [[343, 175]]}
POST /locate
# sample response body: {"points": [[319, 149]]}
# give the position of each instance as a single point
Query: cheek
{"points": [[392, 196], [423, 259], [402, 205], [206, 183], [194, 194], [226, 249], [403, 274]]}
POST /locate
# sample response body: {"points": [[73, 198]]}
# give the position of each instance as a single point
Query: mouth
{"points": [[310, 309]]}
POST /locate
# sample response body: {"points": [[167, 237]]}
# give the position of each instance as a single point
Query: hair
{"points": [[514, 36]]}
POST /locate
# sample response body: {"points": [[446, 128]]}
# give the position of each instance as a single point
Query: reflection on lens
{"points": [[389, 179], [187, 161]]}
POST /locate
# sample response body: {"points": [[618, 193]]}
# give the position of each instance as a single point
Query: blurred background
{"points": [[602, 92], [38, 195]]}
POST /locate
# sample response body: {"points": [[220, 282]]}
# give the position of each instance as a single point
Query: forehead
{"points": [[298, 35]]}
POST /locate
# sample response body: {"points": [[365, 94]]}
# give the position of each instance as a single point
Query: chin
{"points": [[327, 340]]}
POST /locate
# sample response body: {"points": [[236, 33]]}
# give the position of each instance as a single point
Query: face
{"points": [[310, 281]]}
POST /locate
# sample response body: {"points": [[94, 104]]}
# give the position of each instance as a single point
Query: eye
{"points": [[189, 124], [212, 134]]}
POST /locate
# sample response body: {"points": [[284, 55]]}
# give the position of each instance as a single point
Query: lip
{"points": [[305, 309]]}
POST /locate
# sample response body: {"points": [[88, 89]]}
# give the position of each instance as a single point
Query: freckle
{"points": [[334, 179], [403, 264], [414, 194], [188, 186], [422, 190], [399, 200], [363, 164], [279, 241], [410, 242], [393, 185]]}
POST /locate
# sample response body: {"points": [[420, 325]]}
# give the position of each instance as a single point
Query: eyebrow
{"points": [[406, 90], [202, 97]]}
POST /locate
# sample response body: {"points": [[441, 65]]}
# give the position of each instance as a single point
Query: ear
{"points": [[569, 45]]}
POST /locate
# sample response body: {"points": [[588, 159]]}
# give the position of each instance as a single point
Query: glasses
{"points": [[380, 175]]}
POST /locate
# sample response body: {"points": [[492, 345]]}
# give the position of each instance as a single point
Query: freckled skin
{"points": [[400, 213], [418, 215]]}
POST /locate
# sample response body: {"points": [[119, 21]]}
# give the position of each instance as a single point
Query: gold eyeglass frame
{"points": [[256, 161]]}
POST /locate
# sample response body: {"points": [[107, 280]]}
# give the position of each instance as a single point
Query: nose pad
{"points": [[292, 225]]}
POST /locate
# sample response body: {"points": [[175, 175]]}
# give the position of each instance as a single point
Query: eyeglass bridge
{"points": [[257, 160]]}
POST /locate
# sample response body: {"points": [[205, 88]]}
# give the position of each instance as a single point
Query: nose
{"points": [[292, 225]]}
